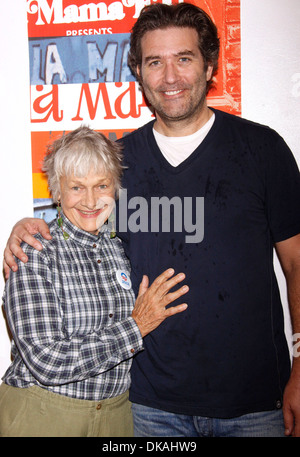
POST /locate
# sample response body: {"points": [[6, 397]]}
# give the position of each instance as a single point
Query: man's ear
{"points": [[209, 72], [138, 72]]}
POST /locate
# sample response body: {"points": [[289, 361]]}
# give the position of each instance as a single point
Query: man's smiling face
{"points": [[173, 73]]}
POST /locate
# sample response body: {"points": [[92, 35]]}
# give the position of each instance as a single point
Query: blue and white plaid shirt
{"points": [[70, 317]]}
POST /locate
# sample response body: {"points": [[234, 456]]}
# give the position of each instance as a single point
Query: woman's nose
{"points": [[90, 199]]}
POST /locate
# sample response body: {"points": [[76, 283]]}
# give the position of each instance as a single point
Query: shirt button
{"points": [[98, 261], [94, 245], [132, 351], [110, 315], [98, 406], [278, 404]]}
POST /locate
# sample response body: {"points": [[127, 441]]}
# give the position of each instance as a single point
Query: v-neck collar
{"points": [[189, 160]]}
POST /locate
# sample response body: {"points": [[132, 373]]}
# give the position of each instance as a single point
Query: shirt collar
{"points": [[80, 236]]}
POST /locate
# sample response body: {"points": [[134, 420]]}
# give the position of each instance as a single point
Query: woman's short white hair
{"points": [[78, 152]]}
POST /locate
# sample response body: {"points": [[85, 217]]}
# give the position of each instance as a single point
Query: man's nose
{"points": [[170, 72]]}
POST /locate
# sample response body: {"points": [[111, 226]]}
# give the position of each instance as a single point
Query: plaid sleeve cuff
{"points": [[129, 338]]}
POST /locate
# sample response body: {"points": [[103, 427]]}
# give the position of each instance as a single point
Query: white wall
{"points": [[15, 150], [270, 95], [270, 36], [271, 77]]}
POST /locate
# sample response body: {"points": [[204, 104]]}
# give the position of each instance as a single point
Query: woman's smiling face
{"points": [[87, 202]]}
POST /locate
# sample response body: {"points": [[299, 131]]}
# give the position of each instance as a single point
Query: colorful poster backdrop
{"points": [[79, 75]]}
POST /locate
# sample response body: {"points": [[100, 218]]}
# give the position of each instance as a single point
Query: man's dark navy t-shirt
{"points": [[226, 355]]}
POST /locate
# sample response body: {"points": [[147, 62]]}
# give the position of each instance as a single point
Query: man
{"points": [[222, 367]]}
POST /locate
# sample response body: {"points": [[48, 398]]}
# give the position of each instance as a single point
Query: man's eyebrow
{"points": [[185, 52], [148, 58]]}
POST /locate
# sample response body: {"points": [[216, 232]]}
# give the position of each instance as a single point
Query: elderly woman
{"points": [[71, 310]]}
